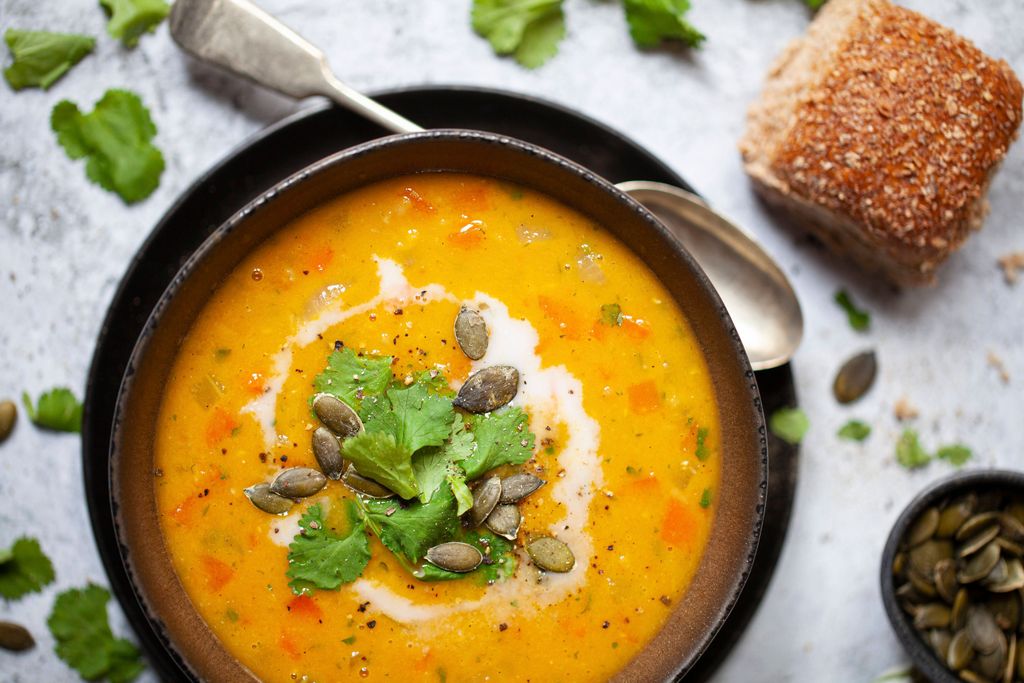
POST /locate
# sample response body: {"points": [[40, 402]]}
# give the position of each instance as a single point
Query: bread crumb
{"points": [[903, 410], [997, 363], [1012, 264]]}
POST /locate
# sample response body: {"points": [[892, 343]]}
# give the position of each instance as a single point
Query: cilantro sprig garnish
{"points": [[56, 409], [42, 57], [416, 444], [530, 30], [654, 21], [84, 640], [130, 19], [24, 568]]}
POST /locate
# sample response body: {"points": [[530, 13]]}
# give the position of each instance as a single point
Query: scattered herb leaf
{"points": [[24, 568], [859, 320], [42, 57], [320, 558], [909, 452], [502, 438], [528, 29], [57, 409], [652, 21], [854, 430], [789, 424], [351, 377], [349, 640], [380, 457], [79, 624], [705, 499], [129, 19], [956, 454], [702, 452], [611, 315], [115, 139]]}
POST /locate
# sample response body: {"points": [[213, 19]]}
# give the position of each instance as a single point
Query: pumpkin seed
{"points": [[454, 557], [1011, 528], [924, 527], [932, 615], [992, 664], [961, 652], [975, 524], [264, 499], [945, 579], [505, 521], [298, 482], [550, 554], [969, 676], [485, 499], [471, 333], [337, 415], [1016, 510], [1011, 660], [363, 485], [488, 389], [925, 556], [983, 631], [1006, 610], [939, 639], [979, 565], [922, 585], [899, 563], [518, 486], [327, 450], [955, 514], [15, 637], [1011, 579], [855, 378], [1009, 547], [8, 416], [978, 541]]}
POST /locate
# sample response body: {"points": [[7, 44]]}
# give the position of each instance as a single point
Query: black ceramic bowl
{"points": [[730, 553], [924, 658]]}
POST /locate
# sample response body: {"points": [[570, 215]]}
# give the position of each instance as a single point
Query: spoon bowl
{"points": [[753, 288]]}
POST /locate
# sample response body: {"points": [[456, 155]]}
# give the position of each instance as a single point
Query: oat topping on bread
{"points": [[880, 129]]}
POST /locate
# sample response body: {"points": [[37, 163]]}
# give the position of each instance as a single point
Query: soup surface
{"points": [[617, 395]]}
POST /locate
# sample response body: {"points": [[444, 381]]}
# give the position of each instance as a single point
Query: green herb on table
{"points": [[57, 409], [611, 315], [789, 424], [321, 558], [84, 641], [859, 319], [42, 57], [115, 139], [956, 454], [129, 19], [653, 21], [854, 430], [909, 452], [24, 569], [815, 4], [528, 29]]}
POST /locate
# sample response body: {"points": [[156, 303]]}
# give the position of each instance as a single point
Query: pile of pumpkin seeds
{"points": [[494, 499], [960, 577]]}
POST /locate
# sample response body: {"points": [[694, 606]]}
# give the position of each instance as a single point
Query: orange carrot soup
{"points": [[441, 428]]}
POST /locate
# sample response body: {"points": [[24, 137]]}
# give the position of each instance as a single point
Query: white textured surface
{"points": [[64, 243]]}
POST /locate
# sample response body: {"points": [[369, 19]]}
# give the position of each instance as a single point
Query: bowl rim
{"points": [[736, 352], [923, 656]]}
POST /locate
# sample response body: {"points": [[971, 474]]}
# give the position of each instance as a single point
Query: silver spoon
{"points": [[239, 36]]}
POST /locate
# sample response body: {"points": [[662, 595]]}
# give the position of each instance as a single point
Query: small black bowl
{"points": [[920, 652]]}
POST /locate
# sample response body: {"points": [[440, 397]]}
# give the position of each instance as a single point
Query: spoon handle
{"points": [[240, 37]]}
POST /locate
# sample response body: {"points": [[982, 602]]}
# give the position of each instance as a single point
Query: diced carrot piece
{"points": [[564, 318], [219, 427], [472, 196], [645, 485], [288, 644], [183, 512], [679, 524], [319, 258], [644, 397], [636, 329], [417, 201], [468, 236], [305, 606], [254, 384], [218, 573]]}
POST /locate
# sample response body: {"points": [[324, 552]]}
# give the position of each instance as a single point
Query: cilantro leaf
{"points": [[815, 4], [499, 561], [502, 438], [854, 430], [42, 57], [409, 530], [57, 409], [431, 469], [789, 424], [24, 568], [115, 139], [456, 479], [379, 456], [529, 29], [702, 451], [129, 19], [433, 466], [79, 624], [320, 558], [909, 452], [705, 499], [859, 320], [422, 419], [652, 21], [611, 315], [351, 377], [956, 454]]}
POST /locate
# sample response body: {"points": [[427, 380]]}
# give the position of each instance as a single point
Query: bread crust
{"points": [[881, 129]]}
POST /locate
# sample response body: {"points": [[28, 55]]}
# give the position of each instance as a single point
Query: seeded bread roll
{"points": [[880, 130]]}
